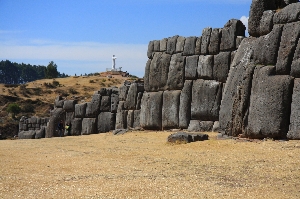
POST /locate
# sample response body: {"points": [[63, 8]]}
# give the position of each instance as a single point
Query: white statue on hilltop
{"points": [[114, 62]]}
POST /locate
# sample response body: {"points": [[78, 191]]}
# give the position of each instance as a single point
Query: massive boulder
{"points": [[121, 119], [200, 126], [221, 66], [231, 30], [69, 105], [189, 46], [191, 66], [76, 126], [88, 126], [151, 111], [106, 122], [288, 14], [163, 45], [205, 40], [150, 49], [131, 99], [215, 40], [105, 104], [294, 130], [80, 110], [114, 102], [271, 97], [206, 100], [171, 45], [176, 72], [185, 105], [180, 44], [123, 90], [57, 115], [170, 109], [205, 67], [93, 107]]}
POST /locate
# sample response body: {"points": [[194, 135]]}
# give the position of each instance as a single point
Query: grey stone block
{"points": [[76, 126], [182, 137], [105, 91], [114, 102], [221, 66], [271, 98], [69, 117], [191, 66], [200, 126], [231, 30], [121, 119], [216, 126], [156, 47], [105, 122], [69, 105], [266, 48], [185, 105], [163, 45], [266, 22], [198, 46], [159, 70], [180, 44], [105, 105], [189, 46], [130, 102], [80, 110], [176, 72], [93, 107], [136, 118], [40, 133], [288, 43], [32, 120], [27, 134], [215, 40], [139, 100], [294, 129], [238, 41], [205, 67], [171, 45], [57, 115], [151, 111], [146, 76], [206, 100], [123, 90], [205, 41], [150, 49], [288, 14], [120, 106], [170, 109], [130, 119], [88, 126]]}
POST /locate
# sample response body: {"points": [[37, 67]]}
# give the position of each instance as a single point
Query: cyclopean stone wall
{"points": [[32, 128], [184, 78]]}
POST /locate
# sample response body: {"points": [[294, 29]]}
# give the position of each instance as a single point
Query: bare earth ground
{"points": [[143, 165]]}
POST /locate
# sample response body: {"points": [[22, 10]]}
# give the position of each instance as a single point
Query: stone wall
{"points": [[33, 127]]}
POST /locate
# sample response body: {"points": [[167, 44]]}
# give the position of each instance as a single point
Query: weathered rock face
{"points": [[270, 101], [88, 126], [288, 14], [180, 44], [171, 45], [221, 66], [121, 119], [200, 126], [189, 46], [131, 99], [294, 129], [93, 107], [205, 67], [76, 126], [176, 72], [69, 105], [205, 41], [191, 66], [57, 115], [170, 109], [231, 30], [185, 105], [105, 122], [215, 40], [80, 110], [206, 100]]}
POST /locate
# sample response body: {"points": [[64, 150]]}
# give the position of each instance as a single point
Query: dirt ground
{"points": [[143, 165]]}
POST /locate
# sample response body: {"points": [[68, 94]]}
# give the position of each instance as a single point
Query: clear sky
{"points": [[81, 36]]}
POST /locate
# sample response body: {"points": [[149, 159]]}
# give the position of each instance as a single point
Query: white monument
{"points": [[113, 63]]}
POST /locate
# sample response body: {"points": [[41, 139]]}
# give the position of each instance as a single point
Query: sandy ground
{"points": [[143, 165]]}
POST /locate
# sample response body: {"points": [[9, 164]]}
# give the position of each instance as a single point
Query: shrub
{"points": [[92, 81], [55, 83], [73, 91], [13, 108]]}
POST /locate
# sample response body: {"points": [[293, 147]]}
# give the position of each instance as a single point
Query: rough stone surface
{"points": [[114, 100], [288, 43], [266, 22], [121, 119], [123, 90], [105, 91], [270, 100], [151, 111], [69, 105], [69, 117], [40, 133], [105, 122], [121, 106], [156, 47], [295, 67], [88, 126], [221, 66], [176, 72], [238, 41], [236, 94], [171, 45], [205, 67], [120, 131], [170, 109], [76, 126], [205, 41], [105, 105], [288, 14], [266, 49], [185, 105], [57, 115], [180, 44], [294, 130], [158, 74], [150, 49], [146, 76], [139, 100], [131, 99], [130, 119], [93, 107], [136, 118], [163, 45], [191, 66], [189, 46], [80, 110], [216, 126], [231, 30], [215, 40], [27, 134], [206, 100], [198, 46], [200, 126], [183, 137]]}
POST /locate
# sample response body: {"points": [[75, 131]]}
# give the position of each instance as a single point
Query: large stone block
{"points": [[171, 45], [69, 117], [191, 66], [150, 49], [231, 30], [80, 110], [130, 102], [69, 105], [198, 46], [121, 119], [189, 46], [206, 100], [205, 67], [105, 122], [294, 130], [159, 70], [57, 115], [105, 91], [123, 90], [156, 47], [105, 105], [93, 107], [139, 100], [180, 44], [151, 111], [27, 134], [215, 40], [176, 72], [114, 102], [59, 102], [288, 14], [270, 104], [146, 76], [76, 126], [88, 126], [236, 94], [163, 45], [136, 118], [170, 109], [266, 22], [205, 41], [221, 66], [200, 126], [130, 119], [266, 48], [40, 133], [185, 105], [288, 43]]}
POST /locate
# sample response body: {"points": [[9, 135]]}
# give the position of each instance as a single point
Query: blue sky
{"points": [[81, 36]]}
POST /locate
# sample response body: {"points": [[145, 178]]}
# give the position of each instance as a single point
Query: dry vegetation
{"points": [[143, 165]]}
